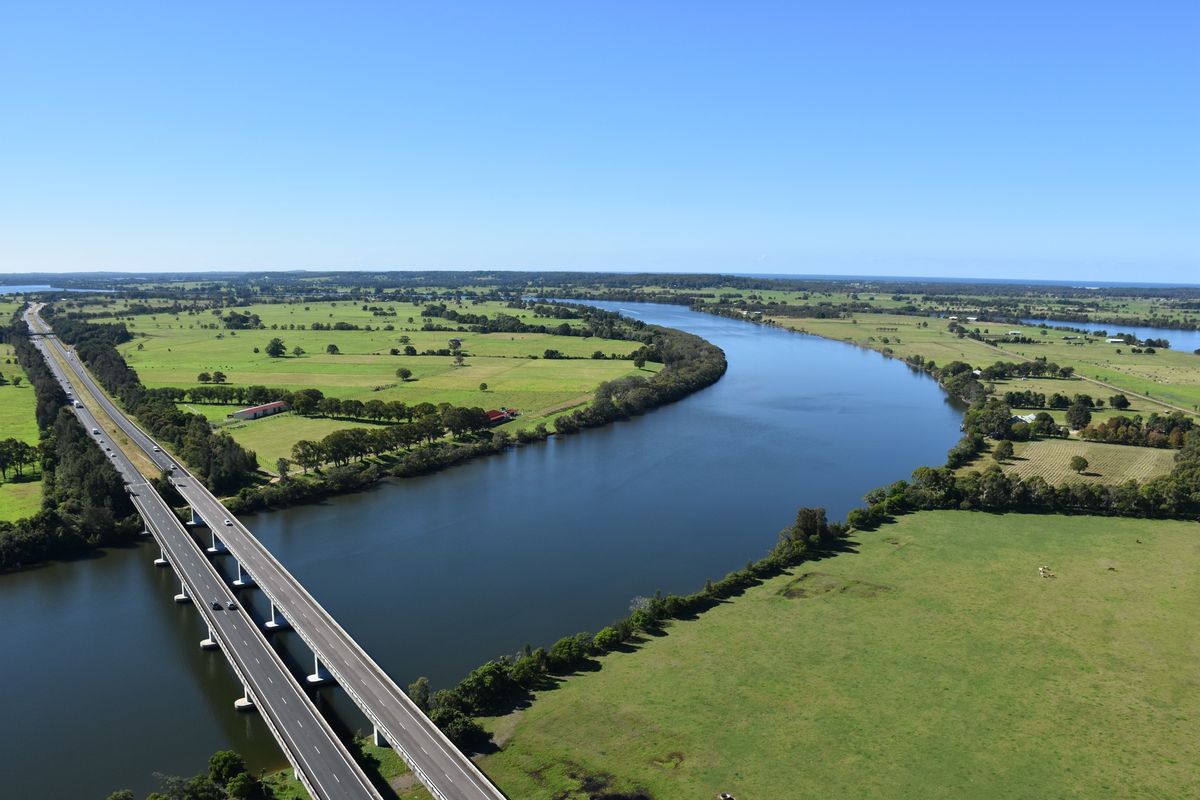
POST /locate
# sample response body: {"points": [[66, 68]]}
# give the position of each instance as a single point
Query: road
{"points": [[437, 763], [320, 758]]}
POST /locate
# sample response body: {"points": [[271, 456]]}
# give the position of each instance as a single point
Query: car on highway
{"points": [[229, 523], [96, 431], [156, 449], [216, 604], [231, 605]]}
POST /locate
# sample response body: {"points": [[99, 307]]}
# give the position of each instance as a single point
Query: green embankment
{"points": [[867, 675]]}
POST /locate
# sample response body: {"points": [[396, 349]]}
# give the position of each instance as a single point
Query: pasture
{"points": [[933, 663], [1107, 463], [1170, 375], [173, 349], [19, 496]]}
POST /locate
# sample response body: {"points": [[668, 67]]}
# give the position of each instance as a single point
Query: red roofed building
{"points": [[265, 410]]}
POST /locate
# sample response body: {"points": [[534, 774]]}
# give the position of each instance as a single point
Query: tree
{"points": [[204, 377], [17, 380], [483, 387], [404, 373], [332, 349], [218, 377], [409, 350], [458, 358], [282, 465], [122, 794], [1003, 451], [1119, 401], [1078, 415], [639, 361], [1079, 463], [224, 765], [276, 348], [297, 351], [418, 692]]}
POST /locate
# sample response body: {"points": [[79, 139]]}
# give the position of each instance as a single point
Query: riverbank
{"points": [[878, 664]]}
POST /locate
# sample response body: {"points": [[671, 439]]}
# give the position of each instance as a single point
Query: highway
{"points": [[437, 763], [323, 763]]}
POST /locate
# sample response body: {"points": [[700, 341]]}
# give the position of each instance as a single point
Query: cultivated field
{"points": [[934, 663], [19, 497], [1107, 463]]}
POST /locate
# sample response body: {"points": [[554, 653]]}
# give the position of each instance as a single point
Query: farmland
{"points": [[19, 496], [1107, 463], [1170, 376], [863, 675], [173, 349]]}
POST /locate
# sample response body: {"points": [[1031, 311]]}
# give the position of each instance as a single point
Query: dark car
{"points": [[216, 604]]}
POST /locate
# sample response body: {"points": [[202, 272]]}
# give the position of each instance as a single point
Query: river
{"points": [[434, 575], [1187, 341]]}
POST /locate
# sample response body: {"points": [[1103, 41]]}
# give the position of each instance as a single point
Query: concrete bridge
{"points": [[436, 762]]}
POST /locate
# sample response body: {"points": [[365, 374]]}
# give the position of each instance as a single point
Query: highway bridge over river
{"points": [[320, 759]]}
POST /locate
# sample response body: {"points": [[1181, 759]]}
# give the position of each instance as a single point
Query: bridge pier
{"points": [[244, 578], [377, 738], [277, 622], [183, 596], [209, 643], [196, 521], [218, 547], [246, 702], [161, 561], [320, 675]]}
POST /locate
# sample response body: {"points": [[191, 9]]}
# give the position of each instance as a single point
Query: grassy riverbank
{"points": [[863, 675]]}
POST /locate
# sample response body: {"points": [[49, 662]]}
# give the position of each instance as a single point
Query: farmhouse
{"points": [[500, 416], [265, 410], [1115, 340]]}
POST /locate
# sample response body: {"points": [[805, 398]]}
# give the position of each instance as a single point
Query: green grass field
{"points": [[934, 663], [1170, 375], [1107, 463], [171, 350], [19, 497]]}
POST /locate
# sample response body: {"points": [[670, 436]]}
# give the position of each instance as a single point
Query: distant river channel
{"points": [[103, 676]]}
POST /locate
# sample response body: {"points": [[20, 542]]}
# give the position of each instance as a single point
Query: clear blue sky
{"points": [[1041, 139]]}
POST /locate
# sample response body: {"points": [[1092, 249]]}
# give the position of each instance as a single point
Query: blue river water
{"points": [[104, 677]]}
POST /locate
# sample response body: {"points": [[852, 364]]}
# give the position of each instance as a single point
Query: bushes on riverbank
{"points": [[503, 684]]}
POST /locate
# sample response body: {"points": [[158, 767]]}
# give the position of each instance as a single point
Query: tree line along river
{"points": [[104, 676]]}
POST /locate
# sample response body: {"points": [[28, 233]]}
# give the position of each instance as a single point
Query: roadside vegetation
{"points": [[20, 461]]}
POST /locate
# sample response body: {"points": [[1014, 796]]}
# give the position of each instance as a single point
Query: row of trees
{"points": [[354, 444], [507, 682], [1158, 430], [1032, 399], [221, 463]]}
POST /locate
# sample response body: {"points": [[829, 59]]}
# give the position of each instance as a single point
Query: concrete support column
{"points": [[218, 546], [244, 578], [196, 520], [161, 561], [377, 738], [210, 643], [182, 597], [320, 674], [246, 703], [277, 622]]}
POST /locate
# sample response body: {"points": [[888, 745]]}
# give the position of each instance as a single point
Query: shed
{"points": [[265, 410]]}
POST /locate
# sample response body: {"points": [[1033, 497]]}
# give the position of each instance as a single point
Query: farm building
{"points": [[265, 410], [1115, 340], [499, 417]]}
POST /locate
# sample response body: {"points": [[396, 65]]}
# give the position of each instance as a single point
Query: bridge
{"points": [[444, 770]]}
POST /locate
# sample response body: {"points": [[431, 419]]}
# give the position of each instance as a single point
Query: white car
{"points": [[229, 523], [157, 450]]}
